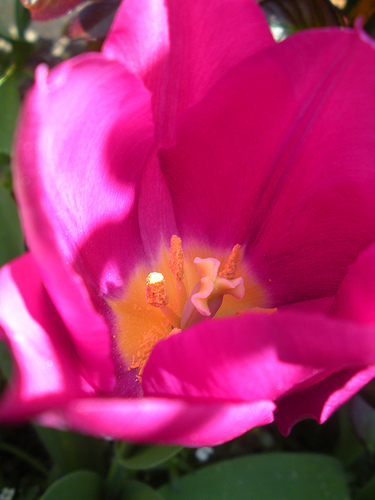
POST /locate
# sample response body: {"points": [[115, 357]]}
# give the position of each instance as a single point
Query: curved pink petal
{"points": [[82, 140], [255, 356], [139, 37], [180, 49], [83, 137], [353, 303], [279, 158], [159, 420], [355, 298], [322, 399], [46, 371]]}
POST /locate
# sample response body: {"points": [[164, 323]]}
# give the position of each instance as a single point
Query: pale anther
{"points": [[155, 290], [156, 296], [230, 267], [176, 265], [176, 258]]}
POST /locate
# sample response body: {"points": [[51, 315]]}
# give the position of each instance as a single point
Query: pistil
{"points": [[207, 295]]}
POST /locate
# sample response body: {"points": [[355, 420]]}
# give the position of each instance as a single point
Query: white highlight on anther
{"points": [[156, 296]]}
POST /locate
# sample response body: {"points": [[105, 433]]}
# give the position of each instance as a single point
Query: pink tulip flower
{"points": [[192, 199]]}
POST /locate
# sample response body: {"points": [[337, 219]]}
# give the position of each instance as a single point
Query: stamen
{"points": [[176, 258], [155, 290], [231, 264], [176, 265], [156, 296]]}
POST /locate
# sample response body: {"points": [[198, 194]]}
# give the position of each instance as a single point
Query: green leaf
{"points": [[367, 492], [22, 18], [348, 447], [120, 487], [3, 31], [5, 366], [11, 239], [276, 476], [71, 451], [363, 420], [9, 106], [288, 16], [149, 456], [5, 361], [135, 490], [82, 485]]}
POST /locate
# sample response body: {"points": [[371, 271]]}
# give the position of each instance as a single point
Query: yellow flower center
{"points": [[157, 304]]}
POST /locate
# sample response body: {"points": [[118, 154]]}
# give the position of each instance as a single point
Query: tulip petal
{"points": [[322, 399], [183, 48], [355, 298], [162, 421], [83, 139], [354, 302], [139, 37], [84, 135], [255, 356], [155, 210], [274, 165], [46, 371]]}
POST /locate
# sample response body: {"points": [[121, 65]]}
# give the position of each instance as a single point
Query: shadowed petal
{"points": [[255, 356], [322, 399], [46, 371], [155, 210], [159, 420], [354, 303], [321, 306], [183, 48], [263, 154], [355, 299]]}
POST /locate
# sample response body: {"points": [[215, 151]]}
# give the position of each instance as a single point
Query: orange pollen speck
{"points": [[155, 290], [176, 259], [230, 267]]}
